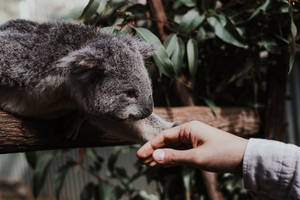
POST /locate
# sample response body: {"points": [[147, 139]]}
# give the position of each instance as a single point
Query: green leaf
{"points": [[160, 56], [31, 158], [169, 44], [145, 196], [211, 105], [262, 7], [113, 159], [117, 193], [102, 6], [40, 172], [90, 9], [175, 48], [271, 46], [88, 191], [98, 160], [61, 175], [293, 42], [191, 20], [226, 32], [188, 3], [108, 29], [208, 4], [192, 56], [104, 191], [121, 172], [187, 176], [203, 34], [177, 4]]}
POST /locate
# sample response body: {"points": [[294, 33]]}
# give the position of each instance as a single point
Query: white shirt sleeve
{"points": [[272, 168]]}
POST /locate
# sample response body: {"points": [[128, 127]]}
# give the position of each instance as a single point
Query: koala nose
{"points": [[150, 102], [175, 124]]}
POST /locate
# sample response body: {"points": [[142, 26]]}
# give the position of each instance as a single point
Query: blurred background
{"points": [[240, 49]]}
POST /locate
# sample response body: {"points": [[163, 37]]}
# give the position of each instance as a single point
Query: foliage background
{"points": [[220, 51]]}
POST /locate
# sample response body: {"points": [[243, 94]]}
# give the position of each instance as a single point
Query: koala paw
{"points": [[73, 124]]}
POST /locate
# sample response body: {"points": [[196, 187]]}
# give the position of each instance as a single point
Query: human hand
{"points": [[196, 144]]}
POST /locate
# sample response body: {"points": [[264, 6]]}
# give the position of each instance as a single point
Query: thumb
{"points": [[172, 156]]}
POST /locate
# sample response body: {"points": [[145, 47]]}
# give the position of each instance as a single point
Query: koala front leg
{"points": [[73, 123]]}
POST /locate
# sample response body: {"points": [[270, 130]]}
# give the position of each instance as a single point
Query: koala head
{"points": [[107, 77]]}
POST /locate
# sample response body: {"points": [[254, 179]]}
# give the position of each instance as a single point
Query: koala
{"points": [[49, 70]]}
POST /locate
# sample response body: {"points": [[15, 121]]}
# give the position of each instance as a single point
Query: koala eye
{"points": [[131, 93]]}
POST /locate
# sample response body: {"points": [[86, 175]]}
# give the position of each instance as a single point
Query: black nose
{"points": [[150, 100], [175, 124]]}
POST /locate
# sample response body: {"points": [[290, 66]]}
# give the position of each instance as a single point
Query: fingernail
{"points": [[159, 155]]}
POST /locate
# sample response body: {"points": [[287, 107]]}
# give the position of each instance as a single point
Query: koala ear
{"points": [[79, 61], [85, 63], [145, 49]]}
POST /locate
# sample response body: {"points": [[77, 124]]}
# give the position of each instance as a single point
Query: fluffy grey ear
{"points": [[80, 60], [145, 49]]}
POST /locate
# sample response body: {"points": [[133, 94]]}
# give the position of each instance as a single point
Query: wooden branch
{"points": [[19, 135], [158, 13], [212, 185], [243, 122]]}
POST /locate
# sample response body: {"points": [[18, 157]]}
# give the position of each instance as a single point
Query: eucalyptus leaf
{"points": [[191, 20], [175, 48], [170, 44], [271, 46], [160, 56], [203, 34], [90, 9], [187, 176], [211, 105], [117, 193], [102, 6], [293, 42], [178, 18], [177, 4], [108, 29], [31, 158], [208, 4], [104, 191], [192, 56], [226, 32], [145, 196], [113, 159], [262, 7], [88, 191], [61, 175], [188, 3], [40, 172]]}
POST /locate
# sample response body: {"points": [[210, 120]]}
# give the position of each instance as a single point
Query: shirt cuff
{"points": [[269, 167]]}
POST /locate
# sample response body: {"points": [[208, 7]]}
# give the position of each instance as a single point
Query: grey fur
{"points": [[51, 69], [101, 74]]}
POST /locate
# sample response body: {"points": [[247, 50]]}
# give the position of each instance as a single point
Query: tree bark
{"points": [[244, 122], [19, 135], [158, 13], [212, 185]]}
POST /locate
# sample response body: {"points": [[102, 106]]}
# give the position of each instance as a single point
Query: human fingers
{"points": [[170, 157], [177, 137], [158, 141]]}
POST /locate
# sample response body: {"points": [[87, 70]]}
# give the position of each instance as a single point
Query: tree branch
{"points": [[19, 135], [158, 13]]}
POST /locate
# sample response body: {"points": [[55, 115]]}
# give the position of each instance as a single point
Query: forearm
{"points": [[272, 168]]}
